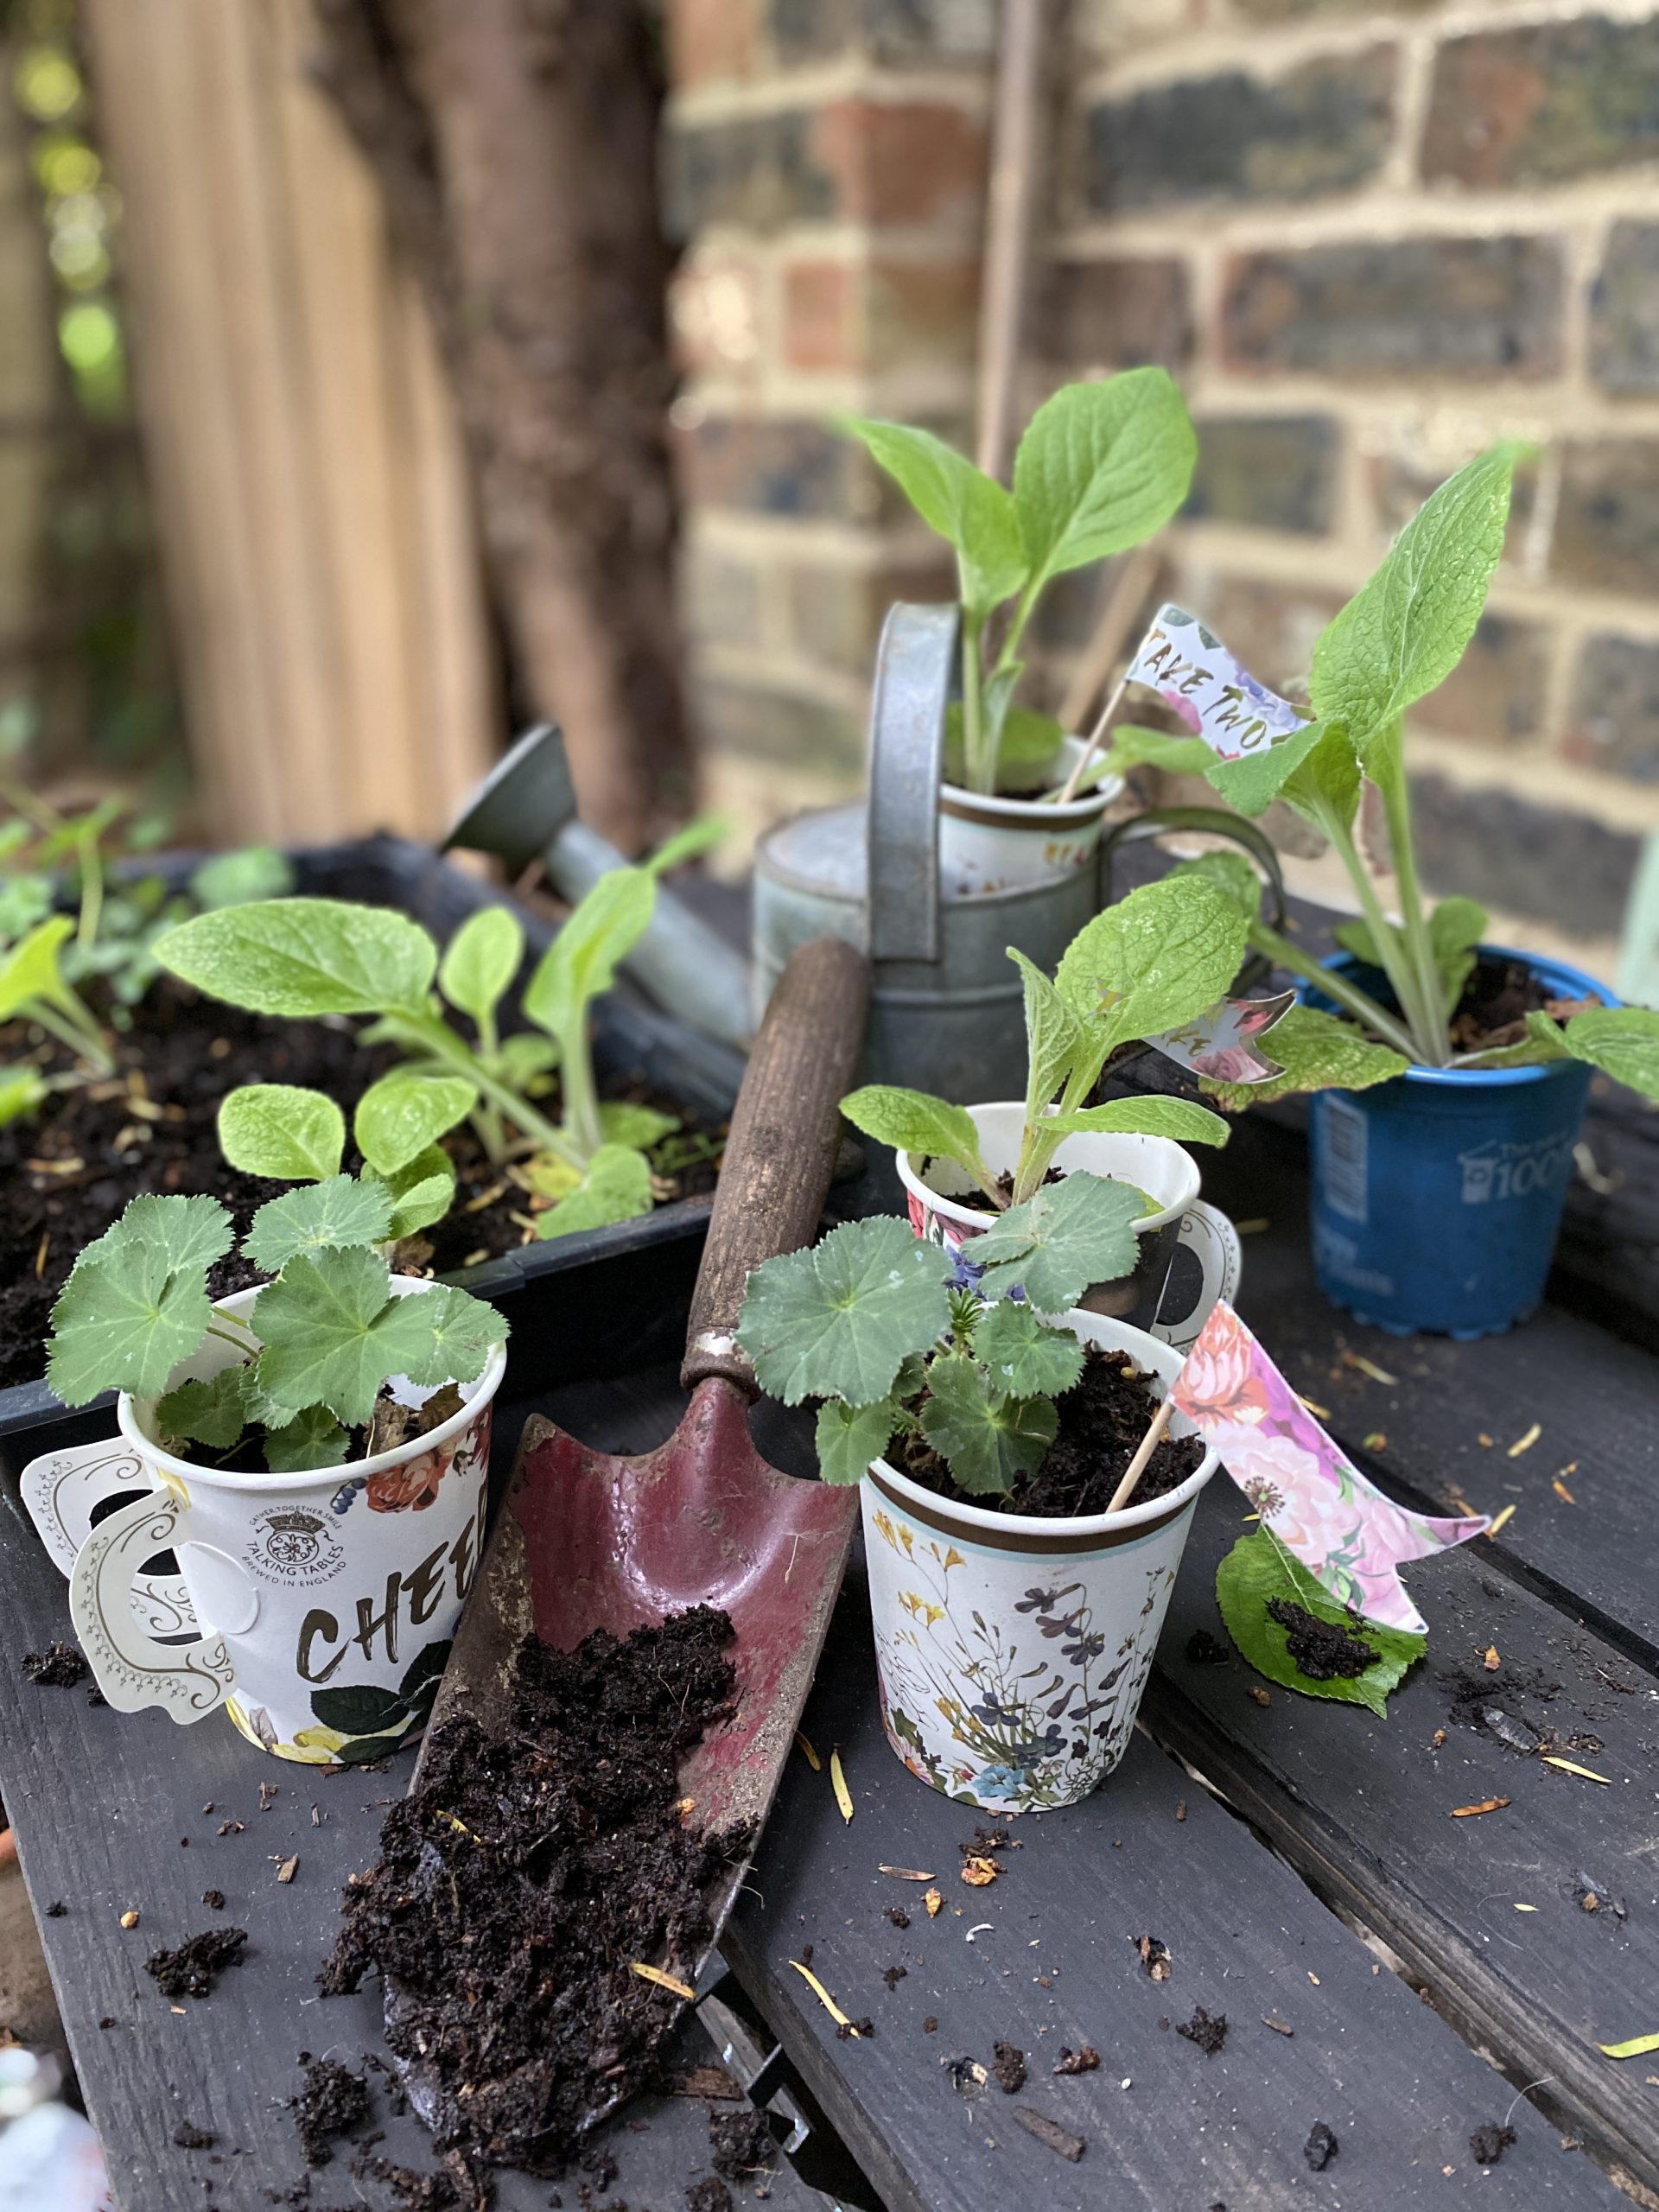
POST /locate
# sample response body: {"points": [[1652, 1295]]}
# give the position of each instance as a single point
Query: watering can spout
{"points": [[525, 809]]}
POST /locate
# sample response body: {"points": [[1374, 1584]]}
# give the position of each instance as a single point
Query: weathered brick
{"points": [[709, 39], [1319, 129], [903, 162], [1543, 102], [1272, 472], [928, 31], [715, 315], [772, 724], [921, 313], [1105, 30], [1607, 524], [1276, 11], [835, 613], [761, 172], [777, 466], [1467, 307], [720, 591], [1115, 313], [1624, 310], [1536, 861], [821, 315], [1271, 627], [1616, 708], [1496, 693]]}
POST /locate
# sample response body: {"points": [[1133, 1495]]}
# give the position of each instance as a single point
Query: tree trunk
{"points": [[516, 145]]}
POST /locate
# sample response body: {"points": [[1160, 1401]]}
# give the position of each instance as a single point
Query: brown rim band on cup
{"points": [[937, 1515]]}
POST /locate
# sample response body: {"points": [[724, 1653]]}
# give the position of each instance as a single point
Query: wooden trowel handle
{"points": [[785, 1129]]}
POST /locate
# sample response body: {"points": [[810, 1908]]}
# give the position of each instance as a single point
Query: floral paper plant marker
{"points": [[1315, 1501]]}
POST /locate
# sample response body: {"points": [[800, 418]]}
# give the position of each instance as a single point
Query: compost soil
{"points": [[1103, 1419], [740, 2143], [524, 1877], [66, 1172], [191, 1968], [332, 2101], [60, 1667], [1320, 1649]]}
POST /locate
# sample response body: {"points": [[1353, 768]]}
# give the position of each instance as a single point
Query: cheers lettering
{"points": [[415, 1596]]}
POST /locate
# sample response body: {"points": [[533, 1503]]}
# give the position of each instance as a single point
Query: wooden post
{"points": [[316, 526]]}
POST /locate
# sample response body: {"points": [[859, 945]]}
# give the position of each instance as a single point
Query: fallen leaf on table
{"points": [[978, 1871], [1637, 2047], [1486, 1805], [1491, 1661], [1525, 1443], [1563, 1492], [1570, 1766], [904, 1873], [808, 1753], [821, 1994], [668, 1981], [934, 1902], [838, 1782], [1499, 1519]]}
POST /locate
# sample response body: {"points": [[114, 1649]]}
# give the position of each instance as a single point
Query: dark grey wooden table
{"points": [[1299, 1861]]}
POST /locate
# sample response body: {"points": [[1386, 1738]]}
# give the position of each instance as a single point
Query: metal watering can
{"points": [[947, 1007]]}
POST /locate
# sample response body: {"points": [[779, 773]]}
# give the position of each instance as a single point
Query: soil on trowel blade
{"points": [[525, 1876], [1103, 1419]]}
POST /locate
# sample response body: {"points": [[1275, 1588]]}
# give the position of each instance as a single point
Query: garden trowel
{"points": [[525, 809], [588, 1540]]}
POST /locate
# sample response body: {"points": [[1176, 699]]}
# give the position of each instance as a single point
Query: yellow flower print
{"points": [[906, 1539], [315, 1747], [953, 1558], [950, 1708], [883, 1529]]}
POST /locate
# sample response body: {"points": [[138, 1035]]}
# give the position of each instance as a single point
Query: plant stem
{"points": [[1431, 1031], [91, 891], [81, 1035], [580, 1093], [973, 707], [1349, 996], [436, 1037], [1401, 972]]}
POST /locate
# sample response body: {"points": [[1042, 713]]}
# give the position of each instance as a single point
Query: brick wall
{"points": [[1367, 243]]}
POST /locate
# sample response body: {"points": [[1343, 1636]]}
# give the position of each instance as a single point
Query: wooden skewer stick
{"points": [[1102, 724], [1143, 1452]]}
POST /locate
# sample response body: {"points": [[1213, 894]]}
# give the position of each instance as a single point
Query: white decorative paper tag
{"points": [[1200, 683]]}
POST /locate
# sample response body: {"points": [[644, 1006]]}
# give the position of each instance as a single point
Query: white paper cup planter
{"points": [[1170, 1297], [1012, 1652], [993, 842], [323, 1603]]}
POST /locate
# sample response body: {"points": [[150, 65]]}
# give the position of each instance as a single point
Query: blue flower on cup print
{"points": [[1001, 1781], [964, 1275]]}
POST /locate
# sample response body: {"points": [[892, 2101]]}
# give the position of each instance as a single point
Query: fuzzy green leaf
{"points": [[1135, 747], [312, 1438], [187, 1233], [480, 961], [332, 1333], [837, 1319], [1250, 784], [616, 1187], [215, 1412], [282, 1130], [457, 1333], [622, 1122], [1455, 928], [399, 1116], [1318, 1052], [582, 960], [1356, 937], [1229, 872], [420, 1193], [1026, 1356], [689, 843], [1259, 1569], [526, 1059], [1327, 781], [968, 509], [124, 1321], [987, 1438], [1071, 1233], [1159, 958], [31, 969], [304, 956], [1027, 747], [1404, 632], [1545, 1041], [850, 1437], [337, 1211], [915, 1121], [21, 1090], [1053, 1036], [1101, 467], [1623, 1042], [1181, 1119], [238, 878]]}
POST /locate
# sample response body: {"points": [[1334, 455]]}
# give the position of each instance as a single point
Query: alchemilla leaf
{"points": [[1070, 1235], [987, 1439], [456, 1335], [837, 1320], [1023, 1356], [213, 1412], [1258, 1570], [313, 1439], [336, 1212], [850, 1437], [185, 1233], [125, 1320], [332, 1333]]}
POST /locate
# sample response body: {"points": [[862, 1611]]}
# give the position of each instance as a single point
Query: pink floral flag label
{"points": [[1221, 1043], [1207, 690], [1306, 1490]]}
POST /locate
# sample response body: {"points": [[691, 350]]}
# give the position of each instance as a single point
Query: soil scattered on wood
{"points": [[1079, 2062], [332, 2101], [189, 2136], [1204, 1650], [416, 2192], [1321, 2147], [1103, 1419], [1008, 2065], [190, 1969], [1057, 2138], [60, 1667], [66, 1172], [524, 1876], [1490, 2141], [1319, 1648], [1207, 2030], [1155, 1956], [708, 2194], [740, 2143]]}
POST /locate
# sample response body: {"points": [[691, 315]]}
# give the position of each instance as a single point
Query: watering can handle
{"points": [[913, 668], [1152, 821]]}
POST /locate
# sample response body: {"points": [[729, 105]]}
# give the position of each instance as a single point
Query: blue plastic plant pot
{"points": [[1435, 1199]]}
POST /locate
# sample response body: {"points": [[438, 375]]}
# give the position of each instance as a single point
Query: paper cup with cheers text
{"points": [[325, 1602]]}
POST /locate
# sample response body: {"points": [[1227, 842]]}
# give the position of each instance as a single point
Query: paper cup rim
{"points": [[969, 1217]]}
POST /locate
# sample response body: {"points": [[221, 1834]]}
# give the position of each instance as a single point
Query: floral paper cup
{"points": [[1013, 1652], [321, 1604]]}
